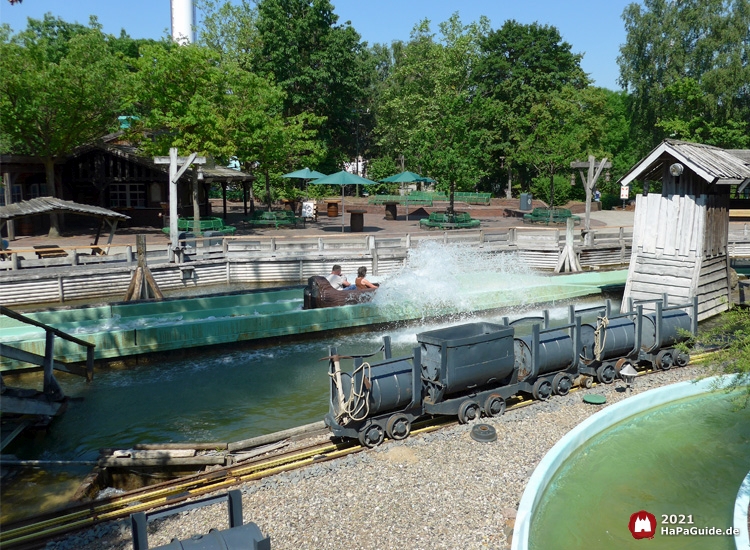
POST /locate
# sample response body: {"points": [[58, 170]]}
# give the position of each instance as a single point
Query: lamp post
{"points": [[628, 373]]}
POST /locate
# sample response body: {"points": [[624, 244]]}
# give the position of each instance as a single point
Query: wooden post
{"points": [[174, 175], [142, 285], [51, 386], [8, 184], [589, 182]]}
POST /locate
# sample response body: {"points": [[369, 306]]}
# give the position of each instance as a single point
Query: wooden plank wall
{"points": [[680, 247]]}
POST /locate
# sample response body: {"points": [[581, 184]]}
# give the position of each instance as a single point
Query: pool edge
{"points": [[589, 428]]}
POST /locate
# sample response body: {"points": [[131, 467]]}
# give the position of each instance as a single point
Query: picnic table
{"points": [[44, 251]]}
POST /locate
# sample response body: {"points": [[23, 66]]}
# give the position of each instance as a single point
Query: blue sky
{"points": [[593, 27]]}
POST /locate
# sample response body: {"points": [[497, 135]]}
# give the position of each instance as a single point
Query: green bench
{"points": [[558, 215], [401, 199], [382, 199], [441, 220], [275, 218], [205, 224], [473, 198], [427, 196]]}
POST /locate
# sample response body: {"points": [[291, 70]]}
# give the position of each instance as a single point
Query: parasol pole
{"points": [[343, 213]]}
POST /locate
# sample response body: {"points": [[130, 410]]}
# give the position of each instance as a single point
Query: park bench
{"points": [[205, 224], [427, 196], [473, 198], [275, 218], [558, 215], [441, 220]]}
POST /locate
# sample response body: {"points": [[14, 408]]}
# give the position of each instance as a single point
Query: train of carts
{"points": [[471, 370]]}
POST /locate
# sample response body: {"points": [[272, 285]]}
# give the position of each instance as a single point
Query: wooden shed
{"points": [[680, 235]]}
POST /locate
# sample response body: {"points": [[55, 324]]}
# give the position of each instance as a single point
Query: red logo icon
{"points": [[642, 525]]}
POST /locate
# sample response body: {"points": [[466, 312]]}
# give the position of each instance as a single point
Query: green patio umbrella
{"points": [[343, 178], [305, 174], [407, 177]]}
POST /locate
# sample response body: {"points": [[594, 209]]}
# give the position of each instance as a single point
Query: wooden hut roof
{"points": [[713, 164], [126, 151], [47, 205]]}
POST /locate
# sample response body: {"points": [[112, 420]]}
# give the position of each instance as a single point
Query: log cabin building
{"points": [[680, 234], [112, 174]]}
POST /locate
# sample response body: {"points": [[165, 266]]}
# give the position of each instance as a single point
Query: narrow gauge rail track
{"points": [[35, 531]]}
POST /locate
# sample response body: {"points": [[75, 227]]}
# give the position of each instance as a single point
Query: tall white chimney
{"points": [[183, 21]]}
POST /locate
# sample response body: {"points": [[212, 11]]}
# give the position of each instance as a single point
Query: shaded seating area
{"points": [[444, 220], [550, 215], [275, 218]]}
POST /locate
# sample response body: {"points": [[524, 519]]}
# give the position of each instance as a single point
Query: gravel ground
{"points": [[437, 490]]}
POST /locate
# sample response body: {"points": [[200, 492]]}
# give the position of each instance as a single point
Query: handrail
{"points": [[18, 317]]}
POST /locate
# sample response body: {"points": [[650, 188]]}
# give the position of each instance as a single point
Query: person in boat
{"points": [[362, 283], [337, 281]]}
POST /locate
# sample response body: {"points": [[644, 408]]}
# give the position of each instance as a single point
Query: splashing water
{"points": [[437, 277]]}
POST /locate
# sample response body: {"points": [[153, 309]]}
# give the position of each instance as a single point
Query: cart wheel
{"points": [[542, 389], [562, 383], [494, 405], [398, 427], [682, 359], [664, 360], [371, 436], [606, 374], [468, 411]]}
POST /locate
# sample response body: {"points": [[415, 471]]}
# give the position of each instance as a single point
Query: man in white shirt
{"points": [[337, 281]]}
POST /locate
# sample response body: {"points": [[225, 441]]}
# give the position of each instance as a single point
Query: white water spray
{"points": [[439, 277]]}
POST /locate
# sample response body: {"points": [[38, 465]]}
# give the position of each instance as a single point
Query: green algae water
{"points": [[684, 459]]}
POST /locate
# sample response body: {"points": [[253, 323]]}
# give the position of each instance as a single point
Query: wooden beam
{"points": [[28, 357]]}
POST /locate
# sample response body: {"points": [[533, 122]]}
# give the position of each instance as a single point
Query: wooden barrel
{"points": [[333, 209]]}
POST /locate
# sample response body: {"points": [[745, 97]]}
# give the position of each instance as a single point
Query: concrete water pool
{"points": [[679, 453]]}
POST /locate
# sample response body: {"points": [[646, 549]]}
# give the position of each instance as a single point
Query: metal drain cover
{"points": [[594, 399], [483, 432]]}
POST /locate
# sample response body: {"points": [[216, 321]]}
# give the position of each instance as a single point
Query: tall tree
{"points": [[182, 98], [319, 64], [428, 113], [61, 87], [520, 76], [686, 65]]}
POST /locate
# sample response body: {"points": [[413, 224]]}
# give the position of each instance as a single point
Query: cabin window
{"points": [[37, 190], [127, 195], [16, 193]]}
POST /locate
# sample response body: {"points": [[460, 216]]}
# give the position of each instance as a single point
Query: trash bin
{"points": [[526, 201]]}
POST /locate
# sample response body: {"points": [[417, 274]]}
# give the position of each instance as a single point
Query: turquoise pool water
{"points": [[687, 458]]}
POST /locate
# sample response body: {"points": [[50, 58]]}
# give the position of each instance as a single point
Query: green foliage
{"points": [[57, 89], [182, 97], [427, 113], [538, 114], [730, 332], [686, 66], [318, 64]]}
